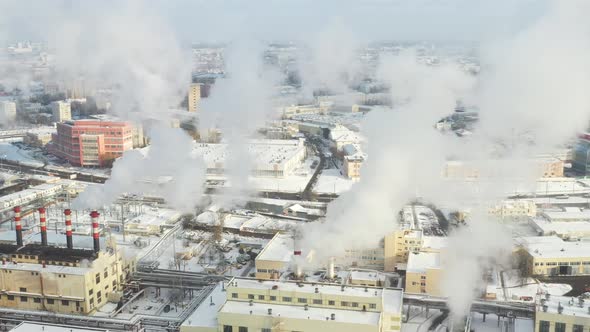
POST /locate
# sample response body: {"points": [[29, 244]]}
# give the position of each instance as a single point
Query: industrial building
{"points": [[424, 273], [275, 258], [270, 158], [255, 305], [561, 313], [90, 142], [552, 256], [69, 278]]}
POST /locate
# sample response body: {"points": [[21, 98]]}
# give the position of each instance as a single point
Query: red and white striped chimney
{"points": [[18, 226], [68, 214], [43, 225], [94, 215]]}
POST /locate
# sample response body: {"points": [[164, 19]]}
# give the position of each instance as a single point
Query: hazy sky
{"points": [[223, 20]]}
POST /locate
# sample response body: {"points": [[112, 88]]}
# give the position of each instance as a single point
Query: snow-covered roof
{"points": [[279, 248], [39, 327], [434, 242], [548, 247], [562, 228], [299, 312], [205, 315], [421, 261], [570, 305]]}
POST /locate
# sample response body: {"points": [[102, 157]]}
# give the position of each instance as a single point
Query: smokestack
{"points": [[18, 226], [331, 272], [68, 214], [43, 224], [94, 215]]}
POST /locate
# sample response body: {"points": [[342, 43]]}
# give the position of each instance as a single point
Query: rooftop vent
{"points": [[332, 316], [544, 308], [270, 311], [559, 308], [306, 307], [317, 290]]}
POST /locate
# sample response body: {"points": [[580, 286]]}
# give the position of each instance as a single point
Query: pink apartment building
{"points": [[91, 142]]}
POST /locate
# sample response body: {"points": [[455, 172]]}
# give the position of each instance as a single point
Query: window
{"points": [[355, 304], [422, 277], [578, 328], [50, 301], [286, 299], [261, 297], [228, 328], [316, 301], [372, 306], [251, 296], [242, 329], [344, 303], [544, 326], [23, 299], [559, 327], [106, 274], [98, 278], [23, 289], [98, 296], [37, 300], [90, 292], [273, 298], [234, 295], [301, 300], [65, 302], [265, 330], [331, 302], [11, 297]]}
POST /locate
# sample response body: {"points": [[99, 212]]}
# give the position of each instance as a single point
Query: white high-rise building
{"points": [[194, 97], [7, 111], [62, 111]]}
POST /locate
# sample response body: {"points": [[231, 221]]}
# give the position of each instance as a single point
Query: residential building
{"points": [[352, 161], [561, 313], [7, 111], [254, 305], [91, 142], [423, 273], [194, 97], [552, 256], [61, 110]]}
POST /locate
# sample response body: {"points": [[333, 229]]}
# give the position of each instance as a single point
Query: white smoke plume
{"points": [[240, 104], [169, 170], [403, 150]]}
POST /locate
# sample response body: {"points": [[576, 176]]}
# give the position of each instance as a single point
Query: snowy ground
{"points": [[523, 289], [12, 152], [491, 324]]}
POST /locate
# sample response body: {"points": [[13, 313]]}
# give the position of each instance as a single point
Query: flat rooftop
{"points": [[570, 305], [419, 262], [299, 312], [38, 327], [206, 313], [554, 247], [279, 248]]}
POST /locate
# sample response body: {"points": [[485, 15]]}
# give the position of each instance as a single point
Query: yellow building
{"points": [[552, 256], [371, 258], [514, 208], [561, 313], [254, 305], [61, 110], [275, 258], [352, 167], [194, 97], [398, 246], [36, 277], [423, 273]]}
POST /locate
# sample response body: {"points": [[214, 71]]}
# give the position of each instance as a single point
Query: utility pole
{"points": [[123, 222]]}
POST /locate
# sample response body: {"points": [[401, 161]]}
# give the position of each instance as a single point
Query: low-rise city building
{"points": [[424, 273], [552, 256], [561, 313]]}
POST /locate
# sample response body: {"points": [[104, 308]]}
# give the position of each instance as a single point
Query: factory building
{"points": [[271, 158], [255, 305], [194, 97], [275, 258], [543, 167], [424, 273], [561, 313], [90, 142], [73, 278], [552, 256], [514, 209], [399, 245]]}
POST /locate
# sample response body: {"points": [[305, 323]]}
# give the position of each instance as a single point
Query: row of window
{"points": [[304, 300], [562, 263], [38, 300], [544, 326]]}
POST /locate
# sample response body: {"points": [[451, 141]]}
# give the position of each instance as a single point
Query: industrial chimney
{"points": [[68, 214], [331, 269], [94, 215], [43, 225], [18, 226]]}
